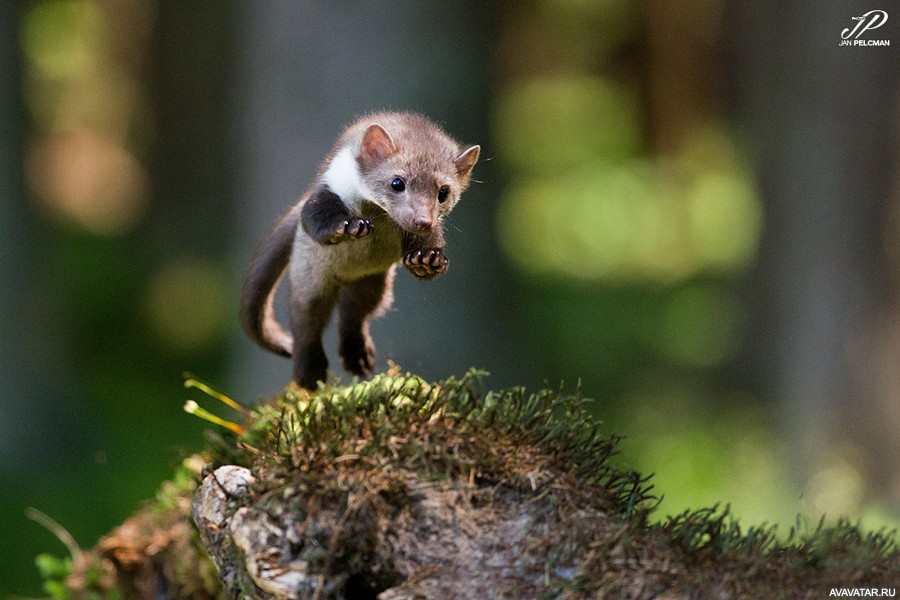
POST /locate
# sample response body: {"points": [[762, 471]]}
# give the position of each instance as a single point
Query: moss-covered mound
{"points": [[400, 488]]}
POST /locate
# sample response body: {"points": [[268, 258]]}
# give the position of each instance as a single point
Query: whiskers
{"points": [[454, 227]]}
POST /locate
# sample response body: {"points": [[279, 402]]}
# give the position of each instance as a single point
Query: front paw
{"points": [[427, 263], [350, 229]]}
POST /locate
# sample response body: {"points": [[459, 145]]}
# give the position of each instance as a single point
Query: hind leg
{"points": [[310, 314], [361, 300]]}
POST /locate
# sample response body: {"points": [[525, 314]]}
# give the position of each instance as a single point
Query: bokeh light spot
{"points": [[545, 124], [62, 38], [725, 218], [87, 179], [699, 326], [185, 302], [837, 488]]}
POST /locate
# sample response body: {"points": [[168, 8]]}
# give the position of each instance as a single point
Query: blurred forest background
{"points": [[689, 207]]}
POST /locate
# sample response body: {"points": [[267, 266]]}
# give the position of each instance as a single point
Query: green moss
{"points": [[450, 429]]}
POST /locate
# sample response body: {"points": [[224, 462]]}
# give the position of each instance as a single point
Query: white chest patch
{"points": [[344, 179]]}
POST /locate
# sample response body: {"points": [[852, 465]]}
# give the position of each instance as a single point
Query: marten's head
{"points": [[413, 170]]}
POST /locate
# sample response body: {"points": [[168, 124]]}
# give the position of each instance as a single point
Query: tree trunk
{"points": [[819, 118]]}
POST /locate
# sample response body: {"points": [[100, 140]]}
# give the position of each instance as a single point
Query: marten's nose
{"points": [[422, 223]]}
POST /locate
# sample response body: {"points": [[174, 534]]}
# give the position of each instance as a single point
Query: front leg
{"points": [[327, 219], [424, 256]]}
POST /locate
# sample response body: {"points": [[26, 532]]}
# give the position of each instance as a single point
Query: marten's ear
{"points": [[377, 146], [466, 160]]}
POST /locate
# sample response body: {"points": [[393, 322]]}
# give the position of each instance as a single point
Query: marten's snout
{"points": [[423, 223]]}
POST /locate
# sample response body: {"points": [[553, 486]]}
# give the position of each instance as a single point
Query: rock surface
{"points": [[406, 538]]}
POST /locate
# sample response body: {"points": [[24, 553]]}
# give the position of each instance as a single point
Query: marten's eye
{"points": [[398, 185], [443, 193]]}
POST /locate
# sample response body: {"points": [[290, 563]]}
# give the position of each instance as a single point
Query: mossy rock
{"points": [[400, 488]]}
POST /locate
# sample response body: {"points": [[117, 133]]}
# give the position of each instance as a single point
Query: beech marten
{"points": [[379, 197]]}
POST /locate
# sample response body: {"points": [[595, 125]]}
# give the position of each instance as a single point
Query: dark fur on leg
{"points": [[328, 220], [358, 301]]}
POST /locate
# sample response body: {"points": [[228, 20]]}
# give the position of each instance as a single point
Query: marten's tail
{"points": [[258, 291]]}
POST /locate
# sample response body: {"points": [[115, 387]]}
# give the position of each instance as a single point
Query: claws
{"points": [[427, 263], [351, 229]]}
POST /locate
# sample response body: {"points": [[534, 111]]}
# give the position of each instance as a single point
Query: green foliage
{"points": [[51, 567], [54, 571], [171, 493], [58, 574]]}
